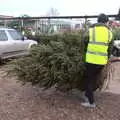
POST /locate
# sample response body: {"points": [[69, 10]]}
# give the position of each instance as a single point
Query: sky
{"points": [[64, 7]]}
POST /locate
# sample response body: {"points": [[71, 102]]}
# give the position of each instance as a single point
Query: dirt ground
{"points": [[19, 102]]}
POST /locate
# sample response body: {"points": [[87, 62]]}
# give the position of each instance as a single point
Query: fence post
{"points": [[22, 24], [85, 23], [5, 23]]}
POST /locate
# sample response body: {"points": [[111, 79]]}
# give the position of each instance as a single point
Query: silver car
{"points": [[13, 43]]}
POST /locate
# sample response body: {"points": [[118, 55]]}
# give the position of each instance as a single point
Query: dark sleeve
{"points": [[85, 42], [86, 38]]}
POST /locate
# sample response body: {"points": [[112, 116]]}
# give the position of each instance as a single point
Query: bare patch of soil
{"points": [[19, 102]]}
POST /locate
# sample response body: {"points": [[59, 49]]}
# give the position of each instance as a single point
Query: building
{"points": [[47, 25], [40, 25], [4, 22]]}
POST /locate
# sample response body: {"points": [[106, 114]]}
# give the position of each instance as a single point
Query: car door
{"points": [[5, 44], [19, 44]]}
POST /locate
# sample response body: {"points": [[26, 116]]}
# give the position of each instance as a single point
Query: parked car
{"points": [[13, 43], [116, 48]]}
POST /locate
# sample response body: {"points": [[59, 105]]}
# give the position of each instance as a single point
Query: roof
{"points": [[3, 28], [5, 16]]}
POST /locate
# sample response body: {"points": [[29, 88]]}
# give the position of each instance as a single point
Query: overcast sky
{"points": [[65, 7]]}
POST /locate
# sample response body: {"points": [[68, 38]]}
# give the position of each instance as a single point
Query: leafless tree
{"points": [[52, 12]]}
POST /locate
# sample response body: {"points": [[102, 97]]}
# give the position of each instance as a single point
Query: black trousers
{"points": [[91, 74]]}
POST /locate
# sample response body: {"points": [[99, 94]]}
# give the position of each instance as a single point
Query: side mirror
{"points": [[25, 38]]}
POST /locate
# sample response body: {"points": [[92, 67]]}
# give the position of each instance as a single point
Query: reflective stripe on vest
{"points": [[98, 43], [97, 53]]}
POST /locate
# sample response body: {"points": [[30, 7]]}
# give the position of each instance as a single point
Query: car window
{"points": [[15, 35], [3, 36]]}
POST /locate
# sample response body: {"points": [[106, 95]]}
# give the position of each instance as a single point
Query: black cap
{"points": [[102, 18]]}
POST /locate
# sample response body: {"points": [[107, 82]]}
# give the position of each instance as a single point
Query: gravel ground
{"points": [[19, 102]]}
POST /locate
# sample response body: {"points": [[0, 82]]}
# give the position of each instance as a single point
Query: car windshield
{"points": [[3, 36], [15, 35]]}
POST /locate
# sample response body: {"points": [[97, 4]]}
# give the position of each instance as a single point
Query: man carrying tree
{"points": [[96, 57]]}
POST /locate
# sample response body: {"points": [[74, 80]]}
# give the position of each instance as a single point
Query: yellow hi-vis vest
{"points": [[97, 50]]}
